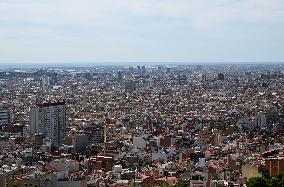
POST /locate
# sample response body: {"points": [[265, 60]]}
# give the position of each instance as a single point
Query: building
{"points": [[130, 69], [181, 79], [204, 138], [95, 134], [168, 70], [143, 69], [250, 171], [204, 79], [139, 69], [130, 86], [43, 87], [48, 180], [261, 120], [216, 138], [78, 141], [221, 76], [2, 179], [198, 179], [245, 123], [5, 117], [274, 165], [119, 76], [140, 141], [50, 120], [165, 155]]}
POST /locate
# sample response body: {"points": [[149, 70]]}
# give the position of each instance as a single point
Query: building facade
{"points": [[5, 117], [49, 119]]}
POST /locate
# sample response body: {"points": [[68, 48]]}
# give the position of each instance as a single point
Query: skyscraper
{"points": [[119, 76], [181, 79], [168, 70], [42, 84], [143, 69], [139, 69], [49, 119]]}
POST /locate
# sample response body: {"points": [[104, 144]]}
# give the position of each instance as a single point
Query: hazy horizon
{"points": [[90, 64]]}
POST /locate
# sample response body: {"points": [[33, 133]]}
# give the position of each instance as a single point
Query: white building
{"points": [[117, 168], [201, 162], [50, 120]]}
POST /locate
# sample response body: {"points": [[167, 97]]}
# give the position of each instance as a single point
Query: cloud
{"points": [[140, 29], [92, 12]]}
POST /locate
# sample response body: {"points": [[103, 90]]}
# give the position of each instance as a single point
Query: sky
{"points": [[152, 31]]}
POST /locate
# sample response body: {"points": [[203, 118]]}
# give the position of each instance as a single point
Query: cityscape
{"points": [[141, 93], [160, 125]]}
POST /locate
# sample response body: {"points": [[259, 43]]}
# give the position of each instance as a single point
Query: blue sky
{"points": [[51, 31]]}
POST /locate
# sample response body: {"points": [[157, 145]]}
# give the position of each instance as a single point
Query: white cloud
{"points": [[92, 12], [110, 29]]}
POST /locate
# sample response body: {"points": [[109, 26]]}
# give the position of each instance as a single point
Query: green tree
{"points": [[274, 182], [277, 181], [181, 184], [258, 182]]}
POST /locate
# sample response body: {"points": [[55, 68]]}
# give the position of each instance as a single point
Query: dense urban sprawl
{"points": [[197, 126]]}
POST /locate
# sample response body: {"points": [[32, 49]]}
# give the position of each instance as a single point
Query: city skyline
{"points": [[50, 32], [5, 66]]}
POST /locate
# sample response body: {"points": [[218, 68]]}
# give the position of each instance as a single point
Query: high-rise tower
{"points": [[5, 116], [49, 119]]}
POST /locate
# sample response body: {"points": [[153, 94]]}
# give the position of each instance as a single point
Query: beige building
{"points": [[250, 171]]}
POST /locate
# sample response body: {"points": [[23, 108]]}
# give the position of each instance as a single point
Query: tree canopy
{"points": [[277, 181]]}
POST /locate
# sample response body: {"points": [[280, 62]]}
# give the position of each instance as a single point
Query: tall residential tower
{"points": [[5, 116], [49, 119]]}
